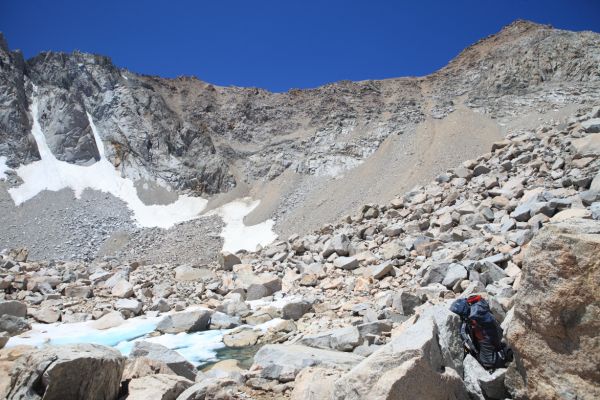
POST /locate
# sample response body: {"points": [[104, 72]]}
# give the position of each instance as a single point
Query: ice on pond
{"points": [[84, 332], [197, 347]]}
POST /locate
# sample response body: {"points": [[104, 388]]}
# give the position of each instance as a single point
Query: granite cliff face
{"points": [[311, 156]]}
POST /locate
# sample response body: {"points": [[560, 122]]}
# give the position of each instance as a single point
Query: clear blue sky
{"points": [[276, 44]]}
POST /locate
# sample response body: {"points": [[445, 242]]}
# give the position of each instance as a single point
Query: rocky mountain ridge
{"points": [[226, 129], [360, 140]]}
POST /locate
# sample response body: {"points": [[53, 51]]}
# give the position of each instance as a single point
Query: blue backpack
{"points": [[480, 332]]}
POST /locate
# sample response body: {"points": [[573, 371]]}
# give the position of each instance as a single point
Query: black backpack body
{"points": [[481, 333]]}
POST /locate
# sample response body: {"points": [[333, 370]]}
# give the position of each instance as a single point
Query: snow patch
{"points": [[237, 235], [49, 173], [3, 168]]}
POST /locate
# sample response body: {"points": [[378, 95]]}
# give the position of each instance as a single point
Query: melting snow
{"points": [[196, 347], [84, 332], [49, 173], [236, 234], [3, 168]]}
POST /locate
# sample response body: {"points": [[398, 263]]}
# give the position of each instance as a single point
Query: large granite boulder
{"points": [[14, 308], [315, 383], [411, 366], [188, 321], [555, 332], [284, 362], [175, 361], [158, 387], [79, 371]]}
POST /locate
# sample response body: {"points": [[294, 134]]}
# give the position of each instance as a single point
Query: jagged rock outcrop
{"points": [[400, 369], [81, 371], [555, 332]]}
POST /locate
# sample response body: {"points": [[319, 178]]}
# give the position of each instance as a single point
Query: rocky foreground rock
{"points": [[81, 371], [555, 328]]}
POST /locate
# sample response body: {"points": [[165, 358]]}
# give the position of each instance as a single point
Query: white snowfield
{"points": [[235, 233], [3, 168], [52, 174]]}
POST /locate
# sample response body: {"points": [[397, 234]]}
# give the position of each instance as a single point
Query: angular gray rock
{"points": [[341, 339], [175, 361], [227, 260], [122, 289], [338, 244], [187, 321], [347, 263], [406, 302], [380, 271], [220, 320], [392, 230], [435, 274], [14, 308], [159, 387], [401, 368], [133, 306], [482, 384], [13, 325], [454, 273], [284, 362], [259, 286], [294, 310], [79, 371]]}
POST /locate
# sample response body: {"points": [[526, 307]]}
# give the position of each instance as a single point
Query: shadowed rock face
{"points": [[210, 139], [555, 332]]}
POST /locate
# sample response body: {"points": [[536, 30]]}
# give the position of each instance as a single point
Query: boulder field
{"points": [[355, 310]]}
